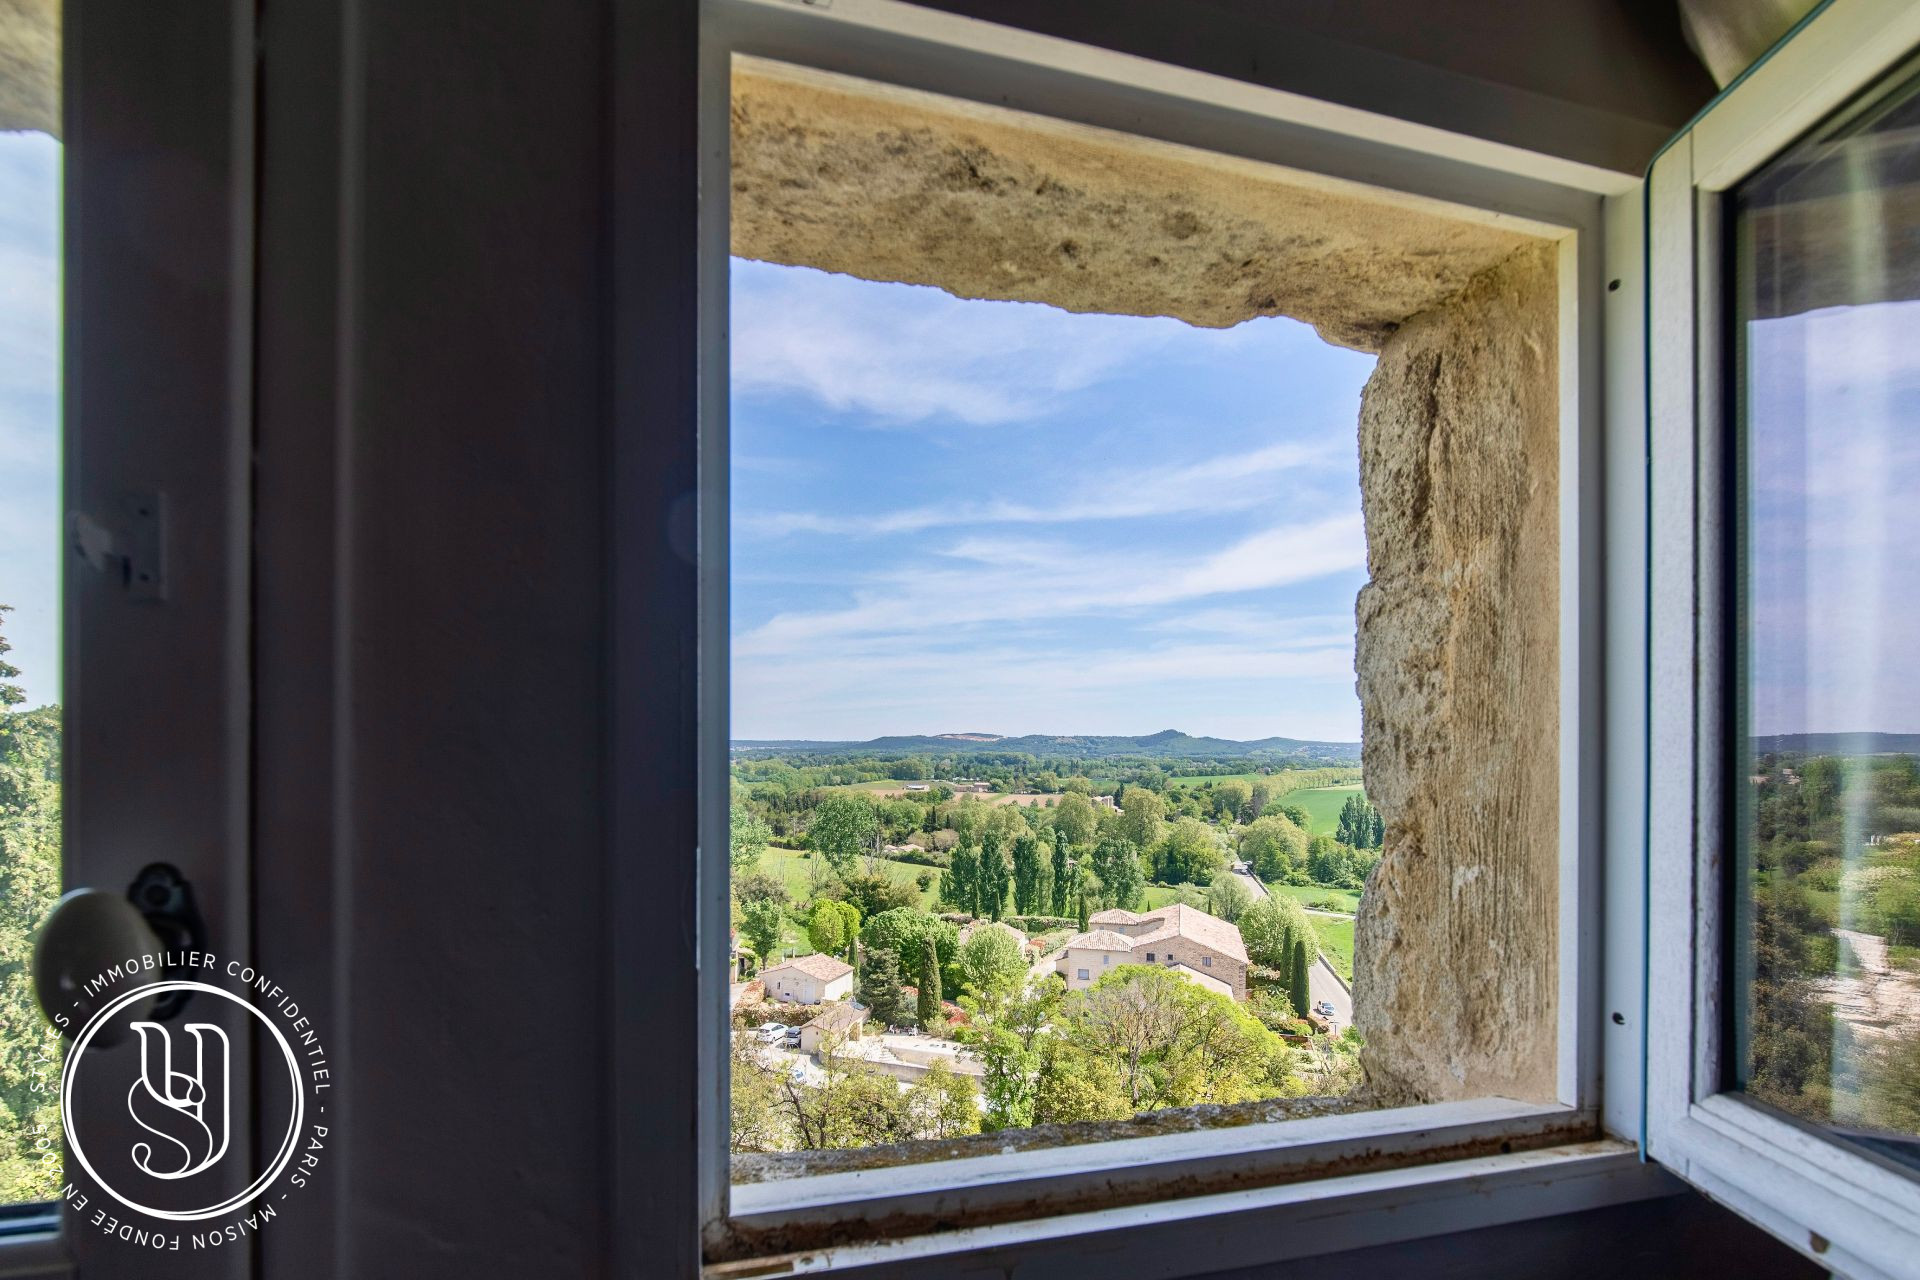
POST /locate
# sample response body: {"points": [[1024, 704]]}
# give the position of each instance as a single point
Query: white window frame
{"points": [[1845, 1210], [1417, 1156]]}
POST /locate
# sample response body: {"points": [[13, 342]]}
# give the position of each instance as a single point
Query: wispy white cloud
{"points": [[1012, 582], [1226, 482], [900, 355]]}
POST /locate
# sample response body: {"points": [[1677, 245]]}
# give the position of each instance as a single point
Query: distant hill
{"points": [[1168, 744], [1840, 744]]}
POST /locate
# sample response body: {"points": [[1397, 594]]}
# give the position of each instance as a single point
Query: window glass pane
{"points": [[30, 1159], [1827, 894]]}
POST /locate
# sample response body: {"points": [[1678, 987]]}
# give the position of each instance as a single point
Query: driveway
{"points": [[1322, 984]]}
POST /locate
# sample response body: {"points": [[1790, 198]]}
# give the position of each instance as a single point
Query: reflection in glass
{"points": [[1827, 901]]}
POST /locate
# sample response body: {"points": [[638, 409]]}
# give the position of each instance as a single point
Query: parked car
{"points": [[793, 1037], [774, 1032], [1326, 1008]]}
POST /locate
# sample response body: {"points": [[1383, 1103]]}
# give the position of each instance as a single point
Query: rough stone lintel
{"points": [[30, 66]]}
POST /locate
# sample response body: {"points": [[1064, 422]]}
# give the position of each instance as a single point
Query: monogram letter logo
{"points": [[173, 1105]]}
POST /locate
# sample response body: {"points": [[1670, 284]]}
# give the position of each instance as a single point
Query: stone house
{"points": [[1205, 948], [836, 1021], [813, 979]]}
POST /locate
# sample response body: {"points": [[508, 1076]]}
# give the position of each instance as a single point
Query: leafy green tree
{"points": [[758, 886], [873, 894], [963, 876], [30, 1059], [928, 1005], [753, 1098], [760, 925], [1116, 864], [1027, 873], [849, 1105], [910, 934], [1297, 988], [1062, 885], [1009, 822], [1228, 898], [880, 987], [1291, 812], [833, 927], [1171, 1042], [940, 1105], [1328, 862], [995, 873], [1190, 854], [1270, 928], [1272, 846], [1083, 918], [1003, 1030], [1230, 799], [1074, 818], [1360, 825], [747, 838], [1143, 817], [992, 960], [968, 818], [1074, 1087], [843, 828]]}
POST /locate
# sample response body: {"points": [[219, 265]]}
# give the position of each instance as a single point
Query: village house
{"points": [[837, 1023], [813, 979], [1204, 949]]}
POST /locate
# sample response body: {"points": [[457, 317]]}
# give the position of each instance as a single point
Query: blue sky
{"points": [[30, 407], [1834, 566], [959, 516]]}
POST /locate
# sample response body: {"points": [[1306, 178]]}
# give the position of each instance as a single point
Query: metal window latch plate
{"points": [[129, 544]]}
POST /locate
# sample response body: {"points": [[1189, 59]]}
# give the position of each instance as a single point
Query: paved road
{"points": [[1321, 982]]}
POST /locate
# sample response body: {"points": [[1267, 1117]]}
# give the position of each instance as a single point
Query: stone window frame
{"points": [[1386, 1169], [1842, 1208]]}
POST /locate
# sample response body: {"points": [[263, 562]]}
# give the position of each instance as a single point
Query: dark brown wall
{"points": [[1601, 81]]}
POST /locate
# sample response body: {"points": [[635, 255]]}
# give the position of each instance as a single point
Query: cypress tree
{"points": [[929, 1005], [1297, 989], [1083, 908], [880, 987]]}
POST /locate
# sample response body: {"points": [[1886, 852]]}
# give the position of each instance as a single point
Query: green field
{"points": [[792, 867], [1199, 779], [1313, 895], [1322, 805], [1159, 895], [1336, 943]]}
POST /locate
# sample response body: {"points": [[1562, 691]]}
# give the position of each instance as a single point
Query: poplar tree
{"points": [[1026, 876], [960, 878], [1297, 989], [990, 887], [1062, 889]]}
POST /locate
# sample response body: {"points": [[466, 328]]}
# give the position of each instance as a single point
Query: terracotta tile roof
{"points": [[825, 968], [1114, 915], [1194, 925], [1101, 940]]}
